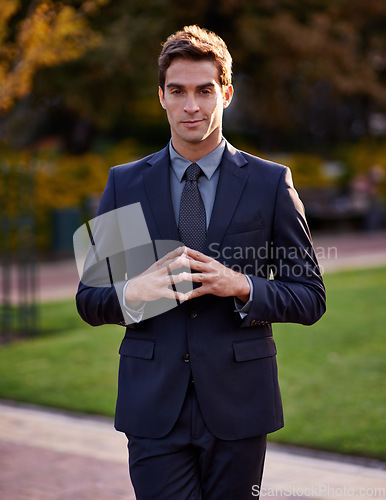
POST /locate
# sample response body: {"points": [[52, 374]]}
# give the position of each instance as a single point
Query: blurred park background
{"points": [[78, 95]]}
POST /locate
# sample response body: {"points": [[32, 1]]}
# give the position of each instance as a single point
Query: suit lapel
{"points": [[230, 187], [157, 186]]}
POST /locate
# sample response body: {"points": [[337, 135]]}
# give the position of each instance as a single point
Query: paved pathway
{"points": [[49, 455], [350, 251], [59, 280]]}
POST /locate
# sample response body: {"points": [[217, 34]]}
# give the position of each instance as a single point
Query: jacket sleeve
{"points": [[295, 292], [100, 292]]}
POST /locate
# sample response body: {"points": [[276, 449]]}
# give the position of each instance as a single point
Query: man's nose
{"points": [[191, 105]]}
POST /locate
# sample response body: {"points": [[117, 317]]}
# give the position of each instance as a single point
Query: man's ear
{"points": [[161, 97], [227, 95]]}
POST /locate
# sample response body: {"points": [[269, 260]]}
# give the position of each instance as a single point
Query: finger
{"points": [[178, 278], [170, 266], [196, 265], [195, 254], [181, 261], [168, 280], [166, 259], [172, 294], [196, 292], [171, 256], [196, 277]]}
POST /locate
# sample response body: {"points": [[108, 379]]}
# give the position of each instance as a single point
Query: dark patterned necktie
{"points": [[192, 218]]}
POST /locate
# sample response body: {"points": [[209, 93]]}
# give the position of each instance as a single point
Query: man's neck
{"points": [[194, 151]]}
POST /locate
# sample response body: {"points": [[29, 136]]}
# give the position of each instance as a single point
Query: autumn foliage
{"points": [[50, 34]]}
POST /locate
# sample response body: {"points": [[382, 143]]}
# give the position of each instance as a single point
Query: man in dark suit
{"points": [[198, 388]]}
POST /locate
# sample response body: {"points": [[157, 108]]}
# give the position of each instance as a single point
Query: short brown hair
{"points": [[196, 43]]}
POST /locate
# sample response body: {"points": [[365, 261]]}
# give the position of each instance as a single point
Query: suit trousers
{"points": [[190, 463]]}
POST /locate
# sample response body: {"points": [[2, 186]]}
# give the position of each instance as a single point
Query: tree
{"points": [[312, 65], [50, 34], [304, 69]]}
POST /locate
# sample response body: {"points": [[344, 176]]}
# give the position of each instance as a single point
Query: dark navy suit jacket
{"points": [[257, 224]]}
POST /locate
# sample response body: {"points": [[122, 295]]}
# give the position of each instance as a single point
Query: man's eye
{"points": [[205, 91], [176, 91]]}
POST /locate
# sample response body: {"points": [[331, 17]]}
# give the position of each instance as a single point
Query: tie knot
{"points": [[193, 172]]}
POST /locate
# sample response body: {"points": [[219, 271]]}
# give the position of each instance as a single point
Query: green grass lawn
{"points": [[71, 365], [332, 374]]}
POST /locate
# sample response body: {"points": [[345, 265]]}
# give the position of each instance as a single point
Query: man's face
{"points": [[194, 102]]}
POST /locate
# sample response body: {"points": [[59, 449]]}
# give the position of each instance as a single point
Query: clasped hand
{"points": [[158, 280]]}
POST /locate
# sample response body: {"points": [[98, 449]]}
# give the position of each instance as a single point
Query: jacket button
{"points": [[193, 314], [186, 358]]}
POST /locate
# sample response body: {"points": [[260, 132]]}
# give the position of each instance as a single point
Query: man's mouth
{"points": [[191, 123]]}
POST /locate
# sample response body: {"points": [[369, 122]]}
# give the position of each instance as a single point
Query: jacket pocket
{"points": [[246, 350], [245, 227], [137, 348]]}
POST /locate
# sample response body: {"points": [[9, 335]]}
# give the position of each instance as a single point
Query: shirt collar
{"points": [[208, 163]]}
